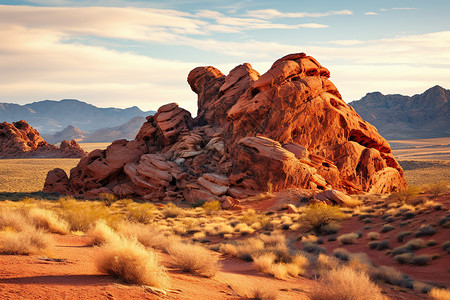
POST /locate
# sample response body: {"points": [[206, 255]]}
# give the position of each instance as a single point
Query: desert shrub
{"points": [[437, 188], [402, 235], [251, 217], [330, 228], [28, 241], [82, 214], [342, 254], [316, 216], [312, 247], [193, 259], [406, 195], [390, 275], [420, 260], [100, 233], [439, 294], [446, 246], [345, 283], [140, 212], [171, 211], [147, 235], [387, 228], [326, 263], [431, 243], [47, 219], [425, 230], [379, 245], [266, 263], [373, 235], [347, 239], [404, 258], [332, 238], [410, 246], [211, 206], [262, 294], [13, 218], [421, 287], [445, 221], [107, 198], [131, 262]]}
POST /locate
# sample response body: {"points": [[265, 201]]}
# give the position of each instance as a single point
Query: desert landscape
{"points": [[211, 150]]}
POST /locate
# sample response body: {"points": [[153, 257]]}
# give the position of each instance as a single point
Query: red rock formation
{"points": [[20, 140], [286, 128]]}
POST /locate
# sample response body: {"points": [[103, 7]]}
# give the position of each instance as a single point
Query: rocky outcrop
{"points": [[286, 128], [20, 140]]}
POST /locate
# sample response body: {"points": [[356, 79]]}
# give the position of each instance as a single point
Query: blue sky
{"points": [[125, 53]]}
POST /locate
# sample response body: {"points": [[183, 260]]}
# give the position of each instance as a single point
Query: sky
{"points": [[120, 53]]}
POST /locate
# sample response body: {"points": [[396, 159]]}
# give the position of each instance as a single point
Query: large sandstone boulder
{"points": [[20, 140], [286, 128]]}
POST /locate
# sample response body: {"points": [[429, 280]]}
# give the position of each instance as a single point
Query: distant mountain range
{"points": [[402, 117], [49, 116]]}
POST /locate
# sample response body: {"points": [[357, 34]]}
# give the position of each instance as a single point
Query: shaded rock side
{"points": [[286, 128], [20, 140]]}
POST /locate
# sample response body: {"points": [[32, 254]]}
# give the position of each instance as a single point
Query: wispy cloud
{"points": [[273, 13], [371, 13], [404, 8]]}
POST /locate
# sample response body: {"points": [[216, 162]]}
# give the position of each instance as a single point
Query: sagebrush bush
{"points": [[131, 262], [345, 283], [347, 239], [193, 259], [316, 216]]}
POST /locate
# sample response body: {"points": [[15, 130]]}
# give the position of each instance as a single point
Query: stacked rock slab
{"points": [[20, 140], [286, 128]]}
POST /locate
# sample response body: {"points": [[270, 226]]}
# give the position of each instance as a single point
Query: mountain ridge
{"points": [[398, 116], [51, 116]]}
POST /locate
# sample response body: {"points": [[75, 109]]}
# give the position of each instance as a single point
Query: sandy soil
{"points": [[75, 277]]}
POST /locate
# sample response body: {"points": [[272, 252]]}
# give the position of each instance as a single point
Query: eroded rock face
{"points": [[286, 128], [20, 140]]}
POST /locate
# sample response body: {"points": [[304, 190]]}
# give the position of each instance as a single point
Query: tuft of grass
{"points": [[439, 294], [348, 239], [28, 241], [425, 230], [390, 275], [266, 263], [100, 233], [387, 228], [406, 195], [193, 259], [262, 294], [379, 245], [171, 211], [140, 212], [373, 235], [437, 188], [211, 207], [446, 246], [345, 283], [342, 254], [316, 216], [107, 198], [47, 219], [131, 262], [402, 235]]}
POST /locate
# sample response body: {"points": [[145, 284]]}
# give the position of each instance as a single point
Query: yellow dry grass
{"points": [[28, 175]]}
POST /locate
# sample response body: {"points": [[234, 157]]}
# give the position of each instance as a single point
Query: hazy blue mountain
{"points": [[425, 115], [49, 116]]}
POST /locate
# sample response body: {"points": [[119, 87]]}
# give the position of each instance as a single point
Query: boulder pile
{"points": [[20, 140], [286, 128]]}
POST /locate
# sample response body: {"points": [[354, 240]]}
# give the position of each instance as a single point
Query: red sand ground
{"points": [[29, 277]]}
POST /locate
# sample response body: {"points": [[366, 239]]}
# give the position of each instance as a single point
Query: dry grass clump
{"points": [[406, 195], [425, 230], [171, 211], [211, 207], [47, 219], [316, 216], [12, 218], [391, 276], [373, 235], [345, 283], [253, 218], [267, 263], [446, 246], [28, 241], [148, 235], [262, 294], [437, 188], [348, 239], [439, 294], [141, 213], [82, 214], [193, 259], [131, 262], [100, 233]]}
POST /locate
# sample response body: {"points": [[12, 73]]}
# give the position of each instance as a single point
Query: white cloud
{"points": [[371, 13], [273, 13]]}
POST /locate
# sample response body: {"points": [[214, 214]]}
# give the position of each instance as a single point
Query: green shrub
{"points": [[316, 216]]}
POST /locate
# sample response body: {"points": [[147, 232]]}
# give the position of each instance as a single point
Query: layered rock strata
{"points": [[286, 128]]}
